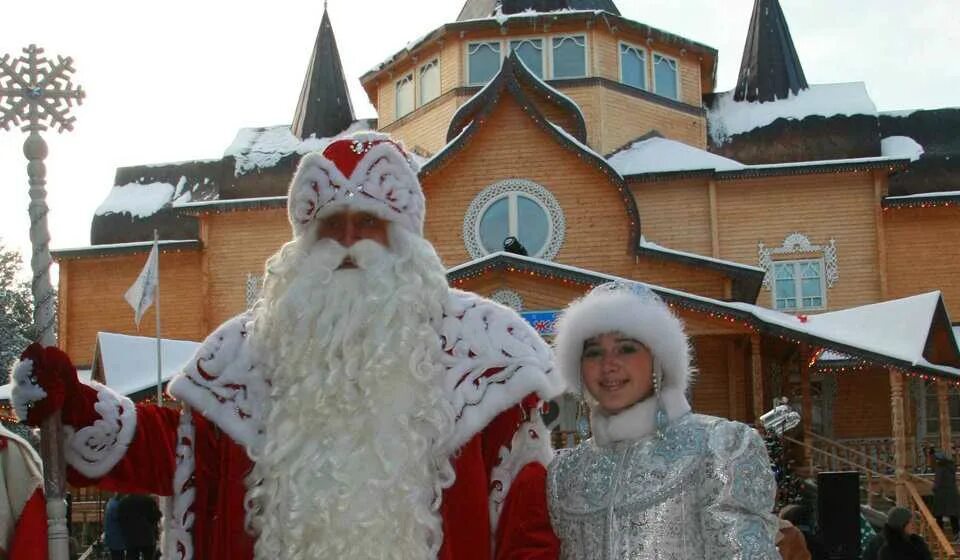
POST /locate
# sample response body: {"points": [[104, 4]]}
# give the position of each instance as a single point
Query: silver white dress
{"points": [[703, 491]]}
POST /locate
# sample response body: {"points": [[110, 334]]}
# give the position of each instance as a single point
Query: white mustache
{"points": [[364, 254]]}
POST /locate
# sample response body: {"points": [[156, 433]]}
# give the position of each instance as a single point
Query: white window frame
{"points": [[513, 217], [409, 78], [556, 230], [466, 54], [653, 73], [586, 55], [798, 283], [420, 101], [544, 46], [547, 54], [647, 79]]}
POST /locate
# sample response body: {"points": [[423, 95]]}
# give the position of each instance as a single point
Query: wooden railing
{"points": [[879, 479]]}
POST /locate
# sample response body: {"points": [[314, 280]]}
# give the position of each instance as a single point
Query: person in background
{"points": [[901, 541], [790, 540], [112, 533], [946, 498], [139, 516]]}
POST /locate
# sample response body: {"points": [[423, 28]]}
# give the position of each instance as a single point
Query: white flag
{"points": [[141, 293]]}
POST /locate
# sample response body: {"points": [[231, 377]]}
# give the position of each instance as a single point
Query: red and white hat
{"points": [[366, 171]]}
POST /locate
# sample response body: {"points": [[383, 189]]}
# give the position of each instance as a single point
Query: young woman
{"points": [[656, 480]]}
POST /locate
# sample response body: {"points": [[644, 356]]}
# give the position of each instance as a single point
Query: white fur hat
{"points": [[367, 171], [631, 309]]}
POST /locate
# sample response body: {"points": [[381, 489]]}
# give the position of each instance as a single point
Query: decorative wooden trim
{"points": [[756, 370], [714, 220], [943, 405], [898, 418], [878, 193], [806, 398]]}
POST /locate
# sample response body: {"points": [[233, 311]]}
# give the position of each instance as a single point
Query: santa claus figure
{"points": [[23, 517], [361, 409]]}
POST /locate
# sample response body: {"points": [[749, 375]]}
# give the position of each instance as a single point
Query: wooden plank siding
{"points": [[93, 301], [822, 207], [237, 244], [923, 253], [676, 214]]}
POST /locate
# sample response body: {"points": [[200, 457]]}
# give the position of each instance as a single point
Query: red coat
{"points": [[496, 507]]}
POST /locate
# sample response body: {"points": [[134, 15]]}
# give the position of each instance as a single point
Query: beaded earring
{"points": [[660, 419], [583, 415]]}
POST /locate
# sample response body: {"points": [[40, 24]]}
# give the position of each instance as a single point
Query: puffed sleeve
{"points": [[739, 495]]}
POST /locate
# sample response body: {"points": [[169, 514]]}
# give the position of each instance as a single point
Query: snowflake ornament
{"points": [[37, 92]]}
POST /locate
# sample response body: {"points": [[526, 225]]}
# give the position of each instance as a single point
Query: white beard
{"points": [[356, 433]]}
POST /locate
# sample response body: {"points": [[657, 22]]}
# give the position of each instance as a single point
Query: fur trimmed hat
{"points": [[367, 171], [634, 310]]}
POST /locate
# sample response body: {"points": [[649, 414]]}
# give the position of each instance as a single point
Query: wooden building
{"points": [[809, 246]]}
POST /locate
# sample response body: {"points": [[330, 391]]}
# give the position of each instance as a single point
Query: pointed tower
{"points": [[770, 68], [324, 108]]}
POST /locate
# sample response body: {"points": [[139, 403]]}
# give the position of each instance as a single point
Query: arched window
{"points": [[514, 208]]}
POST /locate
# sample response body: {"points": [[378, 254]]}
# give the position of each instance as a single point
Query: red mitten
{"points": [[50, 372]]}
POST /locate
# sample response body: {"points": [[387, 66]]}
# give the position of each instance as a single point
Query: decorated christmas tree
{"points": [[789, 485]]}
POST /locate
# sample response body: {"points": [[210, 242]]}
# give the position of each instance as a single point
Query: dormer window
{"points": [[666, 78], [633, 66], [569, 56], [530, 51], [483, 61], [405, 95]]}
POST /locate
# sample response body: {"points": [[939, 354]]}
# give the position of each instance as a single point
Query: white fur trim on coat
{"points": [[95, 449], [530, 444], [26, 390], [383, 182], [179, 539], [493, 359], [225, 384], [646, 319]]}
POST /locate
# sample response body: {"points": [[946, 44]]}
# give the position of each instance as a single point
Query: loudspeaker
{"points": [[838, 513]]}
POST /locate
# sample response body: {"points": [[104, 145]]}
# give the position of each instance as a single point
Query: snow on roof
{"points": [[901, 146], [264, 147], [935, 194], [130, 362], [896, 328], [877, 159], [659, 155], [84, 375], [503, 18], [657, 247], [138, 199], [580, 144], [728, 117]]}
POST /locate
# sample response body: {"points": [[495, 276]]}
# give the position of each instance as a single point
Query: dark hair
{"points": [[793, 513], [893, 535]]}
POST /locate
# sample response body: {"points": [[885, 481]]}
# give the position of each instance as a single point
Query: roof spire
{"points": [[770, 68], [324, 108]]}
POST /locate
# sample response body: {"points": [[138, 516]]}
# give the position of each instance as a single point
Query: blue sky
{"points": [[172, 81]]}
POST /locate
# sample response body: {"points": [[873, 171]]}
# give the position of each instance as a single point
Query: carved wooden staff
{"points": [[36, 93]]}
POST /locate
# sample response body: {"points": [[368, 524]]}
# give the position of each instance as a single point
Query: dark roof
{"points": [[936, 131], [324, 107], [476, 9], [770, 68], [175, 245]]}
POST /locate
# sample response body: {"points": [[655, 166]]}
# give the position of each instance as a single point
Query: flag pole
{"points": [[156, 244]]}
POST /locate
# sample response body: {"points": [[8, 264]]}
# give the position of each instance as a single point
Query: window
{"points": [[665, 77], [798, 285], [530, 51], [570, 56], [483, 61], [932, 412], [429, 81], [633, 66], [514, 215], [405, 95], [518, 208]]}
